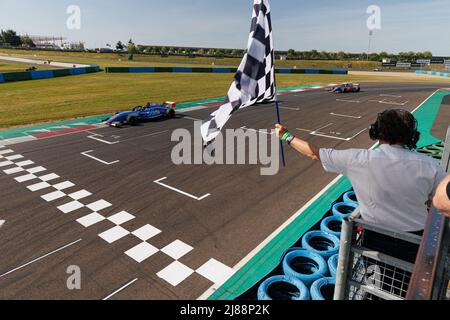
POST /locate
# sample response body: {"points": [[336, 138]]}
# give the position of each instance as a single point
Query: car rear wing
{"points": [[170, 104]]}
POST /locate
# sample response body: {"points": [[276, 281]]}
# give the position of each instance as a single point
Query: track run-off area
{"points": [[111, 202]]}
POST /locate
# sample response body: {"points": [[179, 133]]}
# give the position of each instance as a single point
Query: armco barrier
{"points": [[45, 74], [212, 70], [433, 73]]}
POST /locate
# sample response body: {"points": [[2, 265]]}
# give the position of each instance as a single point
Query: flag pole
{"points": [[277, 109]]}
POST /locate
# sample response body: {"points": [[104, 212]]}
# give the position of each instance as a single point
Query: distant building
{"points": [[48, 42]]}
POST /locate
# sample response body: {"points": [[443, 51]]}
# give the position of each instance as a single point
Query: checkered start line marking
{"points": [[37, 179]]}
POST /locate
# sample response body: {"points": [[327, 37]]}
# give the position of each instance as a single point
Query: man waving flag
{"points": [[255, 79]]}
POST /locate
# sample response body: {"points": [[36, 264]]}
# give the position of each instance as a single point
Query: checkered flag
{"points": [[255, 79]]}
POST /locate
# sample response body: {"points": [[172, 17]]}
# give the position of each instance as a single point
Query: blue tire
{"points": [[350, 197], [283, 288], [289, 251], [332, 225], [333, 265], [322, 243], [323, 289], [344, 209], [304, 266]]}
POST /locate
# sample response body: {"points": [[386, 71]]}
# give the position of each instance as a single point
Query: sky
{"points": [[406, 25]]}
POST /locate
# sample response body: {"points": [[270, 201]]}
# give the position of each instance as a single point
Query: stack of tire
{"points": [[310, 270], [435, 150]]}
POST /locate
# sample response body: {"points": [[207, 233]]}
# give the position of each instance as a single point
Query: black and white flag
{"points": [[255, 79]]}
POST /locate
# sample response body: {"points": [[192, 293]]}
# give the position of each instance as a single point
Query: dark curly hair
{"points": [[397, 126]]}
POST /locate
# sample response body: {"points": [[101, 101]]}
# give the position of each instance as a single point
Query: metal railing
{"points": [[366, 274]]}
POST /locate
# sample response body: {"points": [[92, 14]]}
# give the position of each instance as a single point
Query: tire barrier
{"points": [[304, 266], [323, 289], [332, 225], [436, 151], [45, 74], [344, 209], [433, 73], [212, 70], [283, 288], [350, 197], [322, 243], [333, 264]]}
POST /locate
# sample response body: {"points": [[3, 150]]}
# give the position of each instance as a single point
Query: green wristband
{"points": [[285, 136]]}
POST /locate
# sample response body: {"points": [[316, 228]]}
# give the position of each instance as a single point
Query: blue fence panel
{"points": [[340, 72], [179, 69], [1, 78], [309, 71], [77, 71], [43, 74], [222, 70], [283, 71], [141, 70]]}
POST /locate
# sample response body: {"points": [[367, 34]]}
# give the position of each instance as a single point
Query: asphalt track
{"points": [[199, 222]]}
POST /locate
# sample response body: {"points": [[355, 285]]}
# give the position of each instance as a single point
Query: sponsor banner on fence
{"points": [[403, 65], [423, 61], [447, 64]]}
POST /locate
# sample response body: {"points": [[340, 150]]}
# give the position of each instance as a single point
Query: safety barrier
{"points": [[212, 70], [433, 73], [283, 288], [434, 150], [45, 74], [311, 262]]}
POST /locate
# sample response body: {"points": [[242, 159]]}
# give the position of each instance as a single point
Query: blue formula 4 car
{"points": [[151, 111]]}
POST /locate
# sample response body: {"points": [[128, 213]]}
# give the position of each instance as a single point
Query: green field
{"points": [[121, 60], [32, 102]]}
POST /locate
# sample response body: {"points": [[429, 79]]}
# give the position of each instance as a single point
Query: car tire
{"points": [[310, 268], [317, 287], [132, 120], [171, 114], [264, 289], [322, 243]]}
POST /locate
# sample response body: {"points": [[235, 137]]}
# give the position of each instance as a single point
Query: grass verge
{"points": [[35, 102]]}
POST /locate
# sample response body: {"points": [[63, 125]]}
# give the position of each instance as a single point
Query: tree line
{"points": [[291, 54], [12, 39], [341, 55]]}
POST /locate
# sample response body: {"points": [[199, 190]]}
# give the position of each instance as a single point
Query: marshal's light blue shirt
{"points": [[392, 184]]}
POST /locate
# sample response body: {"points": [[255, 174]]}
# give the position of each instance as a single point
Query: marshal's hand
{"points": [[280, 130]]}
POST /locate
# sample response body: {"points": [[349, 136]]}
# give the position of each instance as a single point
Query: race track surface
{"points": [[111, 202]]}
